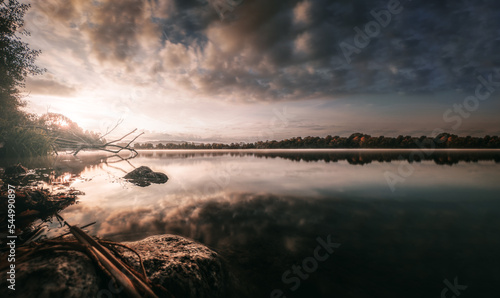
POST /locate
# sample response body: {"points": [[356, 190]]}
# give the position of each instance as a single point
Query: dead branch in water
{"points": [[108, 131], [110, 146], [133, 284]]}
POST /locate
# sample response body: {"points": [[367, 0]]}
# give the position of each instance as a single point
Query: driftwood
{"points": [[111, 146], [77, 143], [134, 285]]}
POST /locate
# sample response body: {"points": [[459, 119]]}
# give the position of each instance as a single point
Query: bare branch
{"points": [[121, 137], [110, 146], [120, 121]]}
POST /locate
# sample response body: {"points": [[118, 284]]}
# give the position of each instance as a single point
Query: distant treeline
{"points": [[356, 140]]}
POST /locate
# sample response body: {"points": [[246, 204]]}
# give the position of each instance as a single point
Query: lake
{"points": [[310, 223]]}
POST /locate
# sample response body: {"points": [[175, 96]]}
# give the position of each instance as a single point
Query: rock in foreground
{"points": [[144, 176], [185, 268], [62, 274]]}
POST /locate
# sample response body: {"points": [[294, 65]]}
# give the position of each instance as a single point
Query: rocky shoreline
{"points": [[62, 268], [182, 266]]}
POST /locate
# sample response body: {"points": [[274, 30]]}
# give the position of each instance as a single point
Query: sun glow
{"points": [[62, 123]]}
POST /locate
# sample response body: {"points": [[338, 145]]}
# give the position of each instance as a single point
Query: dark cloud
{"points": [[48, 85], [116, 27], [272, 50]]}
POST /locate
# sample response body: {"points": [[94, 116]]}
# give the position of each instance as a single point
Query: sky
{"points": [[248, 70]]}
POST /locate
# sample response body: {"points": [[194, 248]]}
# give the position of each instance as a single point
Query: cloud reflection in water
{"points": [[264, 215]]}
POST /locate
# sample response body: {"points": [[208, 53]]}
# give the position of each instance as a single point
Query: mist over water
{"points": [[263, 211]]}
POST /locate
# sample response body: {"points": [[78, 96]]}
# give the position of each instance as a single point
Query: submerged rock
{"points": [[184, 267], [144, 176]]}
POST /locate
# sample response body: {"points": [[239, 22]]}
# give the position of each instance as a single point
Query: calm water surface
{"points": [[263, 211]]}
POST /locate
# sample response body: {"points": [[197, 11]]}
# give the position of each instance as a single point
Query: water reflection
{"points": [[354, 157], [264, 210], [389, 248], [66, 163]]}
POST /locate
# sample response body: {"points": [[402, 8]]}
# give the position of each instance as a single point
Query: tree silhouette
{"points": [[17, 60], [354, 141]]}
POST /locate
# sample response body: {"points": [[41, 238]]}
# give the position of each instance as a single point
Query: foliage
{"points": [[26, 141], [356, 140], [18, 135], [17, 60], [65, 133]]}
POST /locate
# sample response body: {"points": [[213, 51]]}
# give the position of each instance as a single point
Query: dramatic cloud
{"points": [[167, 63], [292, 49]]}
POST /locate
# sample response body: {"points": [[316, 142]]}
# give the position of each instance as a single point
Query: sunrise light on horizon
{"points": [[179, 71]]}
